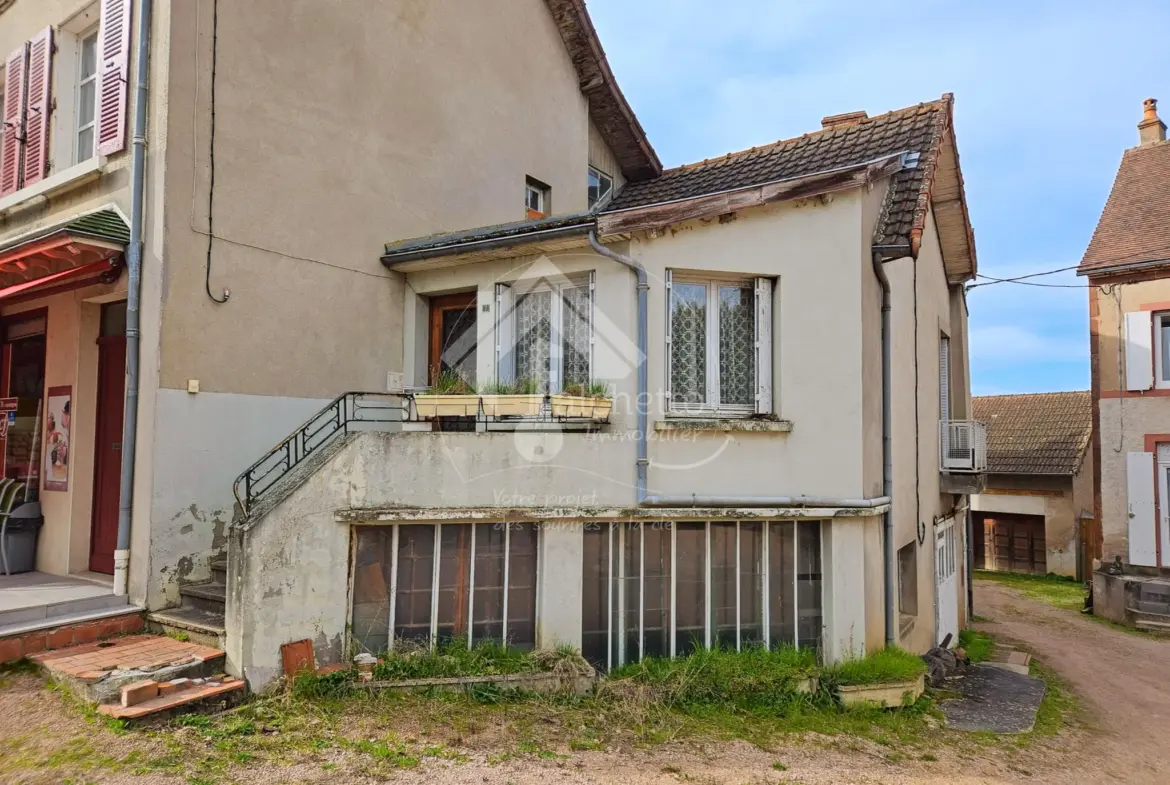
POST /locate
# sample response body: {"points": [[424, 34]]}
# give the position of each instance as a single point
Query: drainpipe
{"points": [[644, 500], [133, 296], [887, 451]]}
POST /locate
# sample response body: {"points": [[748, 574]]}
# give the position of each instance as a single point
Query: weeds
{"points": [[977, 645], [887, 665]]}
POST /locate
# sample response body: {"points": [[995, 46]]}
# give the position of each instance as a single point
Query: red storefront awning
{"points": [[89, 247]]}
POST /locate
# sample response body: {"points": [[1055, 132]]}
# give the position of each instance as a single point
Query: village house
{"points": [[1127, 265], [723, 403], [1036, 515]]}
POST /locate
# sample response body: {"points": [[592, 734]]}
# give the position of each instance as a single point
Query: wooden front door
{"points": [[453, 337], [107, 473]]}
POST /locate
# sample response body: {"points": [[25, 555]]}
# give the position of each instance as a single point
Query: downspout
{"points": [[887, 451], [642, 423], [133, 297]]}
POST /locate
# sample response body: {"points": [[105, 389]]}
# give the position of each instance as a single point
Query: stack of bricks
{"points": [[18, 646], [145, 698]]}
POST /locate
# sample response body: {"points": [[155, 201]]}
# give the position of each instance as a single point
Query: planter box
{"points": [[512, 405], [580, 406], [544, 683], [431, 406], [890, 695]]}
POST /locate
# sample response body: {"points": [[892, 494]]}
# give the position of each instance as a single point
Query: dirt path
{"points": [[1122, 678]]}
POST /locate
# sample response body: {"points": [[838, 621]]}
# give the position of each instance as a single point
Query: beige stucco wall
{"points": [[71, 353]]}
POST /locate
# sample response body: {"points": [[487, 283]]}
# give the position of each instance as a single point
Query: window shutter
{"points": [[944, 378], [12, 138], [1139, 477], [669, 334], [592, 322], [763, 346], [39, 107], [505, 334], [113, 76], [1139, 354]]}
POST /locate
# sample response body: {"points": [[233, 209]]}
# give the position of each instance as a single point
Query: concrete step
{"points": [[205, 596], [219, 570], [1159, 608], [1154, 591], [180, 696], [1144, 623], [96, 672], [43, 614], [193, 624]]}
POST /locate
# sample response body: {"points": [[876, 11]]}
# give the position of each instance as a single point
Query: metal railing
{"points": [[963, 446], [343, 415]]}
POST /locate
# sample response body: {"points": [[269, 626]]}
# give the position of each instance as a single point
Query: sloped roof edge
{"points": [[608, 108]]}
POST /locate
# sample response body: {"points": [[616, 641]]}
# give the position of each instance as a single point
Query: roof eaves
{"points": [[488, 237], [105, 224]]}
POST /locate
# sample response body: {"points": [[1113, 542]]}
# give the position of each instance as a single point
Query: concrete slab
{"points": [[35, 589], [994, 699]]}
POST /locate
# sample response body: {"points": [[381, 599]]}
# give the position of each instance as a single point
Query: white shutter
{"points": [[669, 333], [505, 334], [592, 323], [1139, 354], [763, 346], [944, 378], [1139, 477]]}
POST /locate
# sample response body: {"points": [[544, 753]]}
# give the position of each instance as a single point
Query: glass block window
{"points": [[447, 581], [719, 353], [549, 329], [667, 589]]}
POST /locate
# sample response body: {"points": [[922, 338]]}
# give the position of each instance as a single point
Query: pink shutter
{"points": [[39, 103], [113, 76], [12, 130]]}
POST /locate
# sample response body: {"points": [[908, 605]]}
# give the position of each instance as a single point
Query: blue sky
{"points": [[1047, 96]]}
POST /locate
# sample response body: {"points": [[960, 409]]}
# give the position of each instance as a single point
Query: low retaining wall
{"points": [[544, 683]]}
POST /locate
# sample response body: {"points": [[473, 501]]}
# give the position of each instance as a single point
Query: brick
{"points": [[11, 650], [297, 656], [109, 628], [85, 633], [173, 686], [35, 642], [139, 691], [59, 639]]}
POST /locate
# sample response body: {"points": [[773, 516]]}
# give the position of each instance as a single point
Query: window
{"points": [[719, 353], [1162, 349], [545, 332], [663, 589], [908, 580], [432, 582], [944, 378], [536, 198], [86, 97], [600, 185]]}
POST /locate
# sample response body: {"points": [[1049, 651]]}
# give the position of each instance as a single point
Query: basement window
{"points": [[475, 582], [667, 589]]}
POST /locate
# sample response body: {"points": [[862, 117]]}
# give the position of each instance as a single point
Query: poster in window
{"points": [[57, 439]]}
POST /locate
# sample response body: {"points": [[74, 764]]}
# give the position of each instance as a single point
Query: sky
{"points": [[1047, 97]]}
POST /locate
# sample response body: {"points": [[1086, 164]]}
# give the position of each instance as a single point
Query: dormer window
{"points": [[600, 186], [536, 199]]}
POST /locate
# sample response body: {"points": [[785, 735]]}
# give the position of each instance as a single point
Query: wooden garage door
{"points": [[1011, 543]]}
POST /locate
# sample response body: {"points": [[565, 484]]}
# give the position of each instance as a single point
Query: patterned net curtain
{"points": [[737, 345], [533, 337], [575, 336], [688, 348]]}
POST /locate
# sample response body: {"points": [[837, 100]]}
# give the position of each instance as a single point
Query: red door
{"points": [[108, 452]]}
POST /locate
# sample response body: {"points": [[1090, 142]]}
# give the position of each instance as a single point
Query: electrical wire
{"points": [[211, 162]]}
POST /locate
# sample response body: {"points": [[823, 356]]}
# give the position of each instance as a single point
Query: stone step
{"points": [[205, 596], [1159, 608], [219, 570], [1154, 591], [180, 697], [1145, 623], [193, 624]]}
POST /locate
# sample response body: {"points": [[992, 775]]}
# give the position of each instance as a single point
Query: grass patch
{"points": [[1056, 590], [887, 665], [977, 645], [454, 658], [1059, 709]]}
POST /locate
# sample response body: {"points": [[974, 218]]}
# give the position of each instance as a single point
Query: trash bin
{"points": [[18, 545]]}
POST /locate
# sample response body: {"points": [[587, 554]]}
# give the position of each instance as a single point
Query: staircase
{"points": [[200, 617], [1152, 611]]}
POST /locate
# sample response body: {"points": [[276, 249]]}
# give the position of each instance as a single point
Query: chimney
{"points": [[1151, 129], [843, 120]]}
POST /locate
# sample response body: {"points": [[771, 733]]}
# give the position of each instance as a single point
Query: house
{"points": [[1127, 266], [727, 402], [1036, 514]]}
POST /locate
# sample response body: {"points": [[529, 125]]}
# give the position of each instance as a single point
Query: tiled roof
{"points": [[1135, 224], [1044, 433], [916, 129], [107, 224]]}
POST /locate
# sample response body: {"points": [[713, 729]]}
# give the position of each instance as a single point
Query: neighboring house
{"points": [[1127, 266], [1036, 514], [733, 311]]}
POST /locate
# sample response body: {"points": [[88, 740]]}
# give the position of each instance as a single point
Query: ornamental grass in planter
{"points": [[889, 678], [521, 398], [582, 400]]}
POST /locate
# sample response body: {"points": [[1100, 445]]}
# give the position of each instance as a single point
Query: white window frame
{"points": [[507, 296], [81, 81], [531, 192], [763, 288], [602, 178], [1161, 372], [67, 87]]}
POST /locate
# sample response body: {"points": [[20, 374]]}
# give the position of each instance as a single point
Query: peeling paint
{"points": [[187, 529]]}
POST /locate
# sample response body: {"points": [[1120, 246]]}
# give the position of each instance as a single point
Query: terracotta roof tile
{"points": [[916, 129], [1044, 433], [1135, 224]]}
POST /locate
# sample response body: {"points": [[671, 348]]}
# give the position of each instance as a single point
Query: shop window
{"points": [[22, 384], [660, 590], [475, 582]]}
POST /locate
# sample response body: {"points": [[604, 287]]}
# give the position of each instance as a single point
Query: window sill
{"points": [[59, 182], [723, 425]]}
